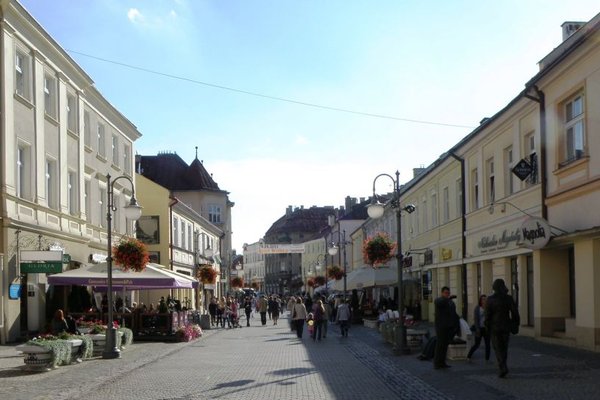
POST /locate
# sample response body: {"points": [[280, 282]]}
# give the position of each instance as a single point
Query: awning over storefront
{"points": [[369, 277], [155, 276]]}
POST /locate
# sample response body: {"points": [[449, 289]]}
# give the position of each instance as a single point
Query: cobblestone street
{"points": [[270, 362]]}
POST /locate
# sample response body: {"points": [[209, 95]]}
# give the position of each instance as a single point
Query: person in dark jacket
{"points": [[501, 318], [446, 325]]}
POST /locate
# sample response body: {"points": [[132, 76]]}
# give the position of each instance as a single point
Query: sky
{"points": [[305, 102]]}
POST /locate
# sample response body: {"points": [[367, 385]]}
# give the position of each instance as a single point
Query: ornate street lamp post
{"points": [[375, 210], [132, 211], [333, 250]]}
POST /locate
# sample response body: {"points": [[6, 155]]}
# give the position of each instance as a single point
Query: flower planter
{"points": [[99, 340], [38, 358]]}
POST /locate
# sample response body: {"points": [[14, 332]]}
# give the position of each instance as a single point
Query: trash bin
{"points": [[205, 321]]}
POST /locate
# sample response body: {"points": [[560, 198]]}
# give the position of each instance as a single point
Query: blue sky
{"points": [[449, 64]]}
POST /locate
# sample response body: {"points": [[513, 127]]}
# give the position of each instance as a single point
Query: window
{"points": [[446, 194], [182, 230], [530, 149], [424, 215], [574, 129], [127, 159], [101, 140], [434, 210], [23, 172], [87, 129], [509, 186], [115, 150], [102, 207], [50, 96], [214, 213], [491, 190], [189, 238], [175, 231], [71, 113], [72, 193], [475, 190], [88, 201], [51, 183], [23, 74]]}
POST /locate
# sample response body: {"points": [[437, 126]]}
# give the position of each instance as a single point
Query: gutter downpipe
{"points": [[540, 98], [463, 273]]}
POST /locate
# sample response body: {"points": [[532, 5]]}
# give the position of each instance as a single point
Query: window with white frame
{"points": [[50, 95], [474, 189], [530, 150], [190, 243], [127, 159], [214, 213], [101, 140], [509, 177], [51, 183], [23, 74], [23, 171], [72, 193], [574, 125], [491, 178], [446, 200], [425, 223], [87, 129], [182, 233], [102, 207], [87, 200], [175, 231], [434, 210], [459, 197], [72, 113], [115, 150]]}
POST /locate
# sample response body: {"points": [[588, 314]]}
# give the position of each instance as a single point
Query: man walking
{"points": [[261, 307], [343, 317], [501, 319], [446, 326]]}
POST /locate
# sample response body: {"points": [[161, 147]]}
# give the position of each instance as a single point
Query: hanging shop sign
{"points": [[536, 233], [14, 291], [41, 267], [522, 169], [41, 262]]}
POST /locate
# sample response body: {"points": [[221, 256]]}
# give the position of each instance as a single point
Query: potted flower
{"points": [[207, 275], [237, 282], [310, 282], [45, 352], [131, 254], [378, 249], [188, 332], [335, 272]]}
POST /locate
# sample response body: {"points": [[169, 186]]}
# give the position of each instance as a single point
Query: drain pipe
{"points": [[463, 207], [535, 94]]}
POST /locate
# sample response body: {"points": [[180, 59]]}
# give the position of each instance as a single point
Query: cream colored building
{"points": [[254, 266], [59, 140], [313, 260]]}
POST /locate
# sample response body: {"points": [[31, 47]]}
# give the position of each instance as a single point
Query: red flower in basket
{"points": [[237, 282], [310, 282], [207, 275], [131, 254], [320, 280], [335, 272], [378, 249]]}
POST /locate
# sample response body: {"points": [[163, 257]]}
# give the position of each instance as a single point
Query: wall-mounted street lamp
{"points": [[375, 210], [132, 211], [320, 264], [334, 249]]}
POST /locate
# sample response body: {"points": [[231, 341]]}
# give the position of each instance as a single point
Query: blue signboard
{"points": [[14, 291]]}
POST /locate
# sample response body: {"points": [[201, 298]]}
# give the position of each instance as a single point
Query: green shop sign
{"points": [[41, 267]]}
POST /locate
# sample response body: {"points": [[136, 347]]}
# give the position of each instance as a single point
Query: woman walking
{"points": [[274, 307], [480, 331], [319, 315], [298, 317]]}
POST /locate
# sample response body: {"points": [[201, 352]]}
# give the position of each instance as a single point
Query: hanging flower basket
{"points": [[207, 275], [310, 282], [320, 280], [254, 285], [335, 272], [378, 249], [130, 254], [237, 282]]}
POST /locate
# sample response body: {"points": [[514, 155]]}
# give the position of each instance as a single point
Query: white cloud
{"points": [[135, 16], [173, 14], [301, 140]]}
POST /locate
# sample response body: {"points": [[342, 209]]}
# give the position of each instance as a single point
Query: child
{"points": [[310, 322]]}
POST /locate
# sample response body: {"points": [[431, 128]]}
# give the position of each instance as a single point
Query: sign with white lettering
{"points": [[281, 248], [536, 233], [522, 170]]}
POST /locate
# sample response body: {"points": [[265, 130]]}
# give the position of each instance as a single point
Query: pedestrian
{"points": [[343, 316], [212, 310], [269, 311], [274, 307], [248, 309], [290, 306], [299, 316], [326, 318], [59, 323], [479, 329], [261, 308], [221, 312], [501, 319], [318, 312], [447, 323]]}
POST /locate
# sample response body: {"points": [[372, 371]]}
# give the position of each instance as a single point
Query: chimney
{"points": [[288, 211], [569, 28], [418, 171]]}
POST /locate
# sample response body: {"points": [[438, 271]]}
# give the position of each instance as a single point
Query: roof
{"points": [[301, 220], [170, 171]]}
